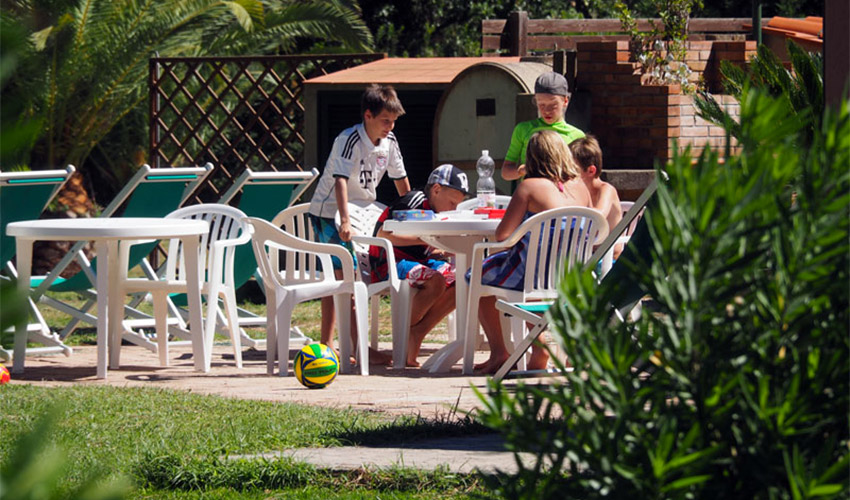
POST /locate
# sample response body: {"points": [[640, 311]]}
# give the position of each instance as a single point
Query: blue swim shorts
{"points": [[325, 231]]}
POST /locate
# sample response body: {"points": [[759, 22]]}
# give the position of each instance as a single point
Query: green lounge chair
{"points": [[151, 192], [257, 194], [23, 196], [622, 298]]}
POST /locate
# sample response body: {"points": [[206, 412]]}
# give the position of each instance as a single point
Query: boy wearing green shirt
{"points": [[552, 96]]}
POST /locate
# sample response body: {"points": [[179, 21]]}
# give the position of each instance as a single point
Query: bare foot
{"points": [[379, 358], [478, 366], [491, 366], [412, 364]]}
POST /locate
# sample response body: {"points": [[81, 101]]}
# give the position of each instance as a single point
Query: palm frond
{"points": [[87, 69]]}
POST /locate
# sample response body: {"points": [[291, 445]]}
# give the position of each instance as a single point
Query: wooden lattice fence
{"points": [[234, 112]]}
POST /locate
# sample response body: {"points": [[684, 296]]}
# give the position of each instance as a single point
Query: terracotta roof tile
{"points": [[807, 32]]}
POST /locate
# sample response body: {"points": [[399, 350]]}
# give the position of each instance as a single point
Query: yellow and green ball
{"points": [[316, 366]]}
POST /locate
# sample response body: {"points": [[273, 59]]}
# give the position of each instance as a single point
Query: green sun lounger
{"points": [[151, 192], [24, 196]]}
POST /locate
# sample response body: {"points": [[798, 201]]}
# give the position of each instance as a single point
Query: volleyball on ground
{"points": [[316, 366], [5, 377]]}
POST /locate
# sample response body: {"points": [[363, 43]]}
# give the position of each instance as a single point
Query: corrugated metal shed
{"points": [[437, 71], [479, 110], [808, 33]]}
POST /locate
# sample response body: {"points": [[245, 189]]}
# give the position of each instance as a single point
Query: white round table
{"points": [[455, 234], [107, 234]]}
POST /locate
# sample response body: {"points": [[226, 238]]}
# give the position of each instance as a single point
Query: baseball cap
{"points": [[451, 176], [551, 83]]}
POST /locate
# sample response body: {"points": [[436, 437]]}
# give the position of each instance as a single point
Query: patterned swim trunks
{"points": [[417, 273]]}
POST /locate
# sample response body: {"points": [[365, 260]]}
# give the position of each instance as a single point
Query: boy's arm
{"points": [[402, 186], [341, 193], [608, 201], [511, 171], [511, 168], [608, 204], [400, 241]]}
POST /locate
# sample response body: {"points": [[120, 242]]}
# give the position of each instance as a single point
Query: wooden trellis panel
{"points": [[234, 112]]}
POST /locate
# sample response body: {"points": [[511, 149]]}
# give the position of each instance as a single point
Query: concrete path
{"points": [[483, 453], [386, 391]]}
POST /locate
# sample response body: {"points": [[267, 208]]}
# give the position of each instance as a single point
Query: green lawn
{"points": [[171, 444]]}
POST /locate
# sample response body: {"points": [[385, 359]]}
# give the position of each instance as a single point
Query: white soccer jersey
{"points": [[355, 157]]}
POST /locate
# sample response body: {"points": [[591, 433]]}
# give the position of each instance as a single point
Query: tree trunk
{"points": [[72, 201]]}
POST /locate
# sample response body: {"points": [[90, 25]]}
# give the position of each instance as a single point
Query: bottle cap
{"points": [[485, 152]]}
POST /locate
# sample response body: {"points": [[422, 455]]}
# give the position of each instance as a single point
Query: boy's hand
{"points": [[437, 254], [345, 230]]}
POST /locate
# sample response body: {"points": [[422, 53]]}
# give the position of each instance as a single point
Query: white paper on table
{"points": [[460, 215]]}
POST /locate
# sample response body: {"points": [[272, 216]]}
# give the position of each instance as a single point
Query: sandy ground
{"points": [[392, 392]]}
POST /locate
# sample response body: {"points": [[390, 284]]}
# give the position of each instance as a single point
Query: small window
{"points": [[485, 107]]}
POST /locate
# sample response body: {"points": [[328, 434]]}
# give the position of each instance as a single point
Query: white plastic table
{"points": [[456, 234], [107, 234]]}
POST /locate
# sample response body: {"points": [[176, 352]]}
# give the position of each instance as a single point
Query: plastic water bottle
{"points": [[486, 187]]}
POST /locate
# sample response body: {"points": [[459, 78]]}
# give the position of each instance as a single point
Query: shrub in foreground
{"points": [[738, 385]]}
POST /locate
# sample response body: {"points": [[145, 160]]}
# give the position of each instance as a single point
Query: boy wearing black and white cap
{"points": [[422, 266], [551, 96]]}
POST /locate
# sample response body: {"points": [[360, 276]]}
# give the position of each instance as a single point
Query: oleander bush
{"points": [[737, 383]]}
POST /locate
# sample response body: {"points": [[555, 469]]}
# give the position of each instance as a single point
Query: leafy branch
{"points": [[661, 51]]}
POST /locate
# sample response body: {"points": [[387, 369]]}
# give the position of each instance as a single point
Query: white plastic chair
{"points": [[264, 195], [626, 304], [625, 206], [363, 217], [558, 239], [301, 279], [608, 258], [502, 201], [216, 251]]}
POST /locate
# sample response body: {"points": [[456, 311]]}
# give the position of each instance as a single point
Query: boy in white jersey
{"points": [[360, 157]]}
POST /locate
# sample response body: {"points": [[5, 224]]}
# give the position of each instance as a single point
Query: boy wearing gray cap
{"points": [[552, 96], [421, 266]]}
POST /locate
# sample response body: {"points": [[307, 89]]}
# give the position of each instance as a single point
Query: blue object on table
{"points": [[413, 214]]}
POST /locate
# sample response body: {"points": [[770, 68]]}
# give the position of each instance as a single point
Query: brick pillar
{"points": [[637, 123], [737, 52]]}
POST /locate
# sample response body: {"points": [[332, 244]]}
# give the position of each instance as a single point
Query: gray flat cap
{"points": [[551, 83]]}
